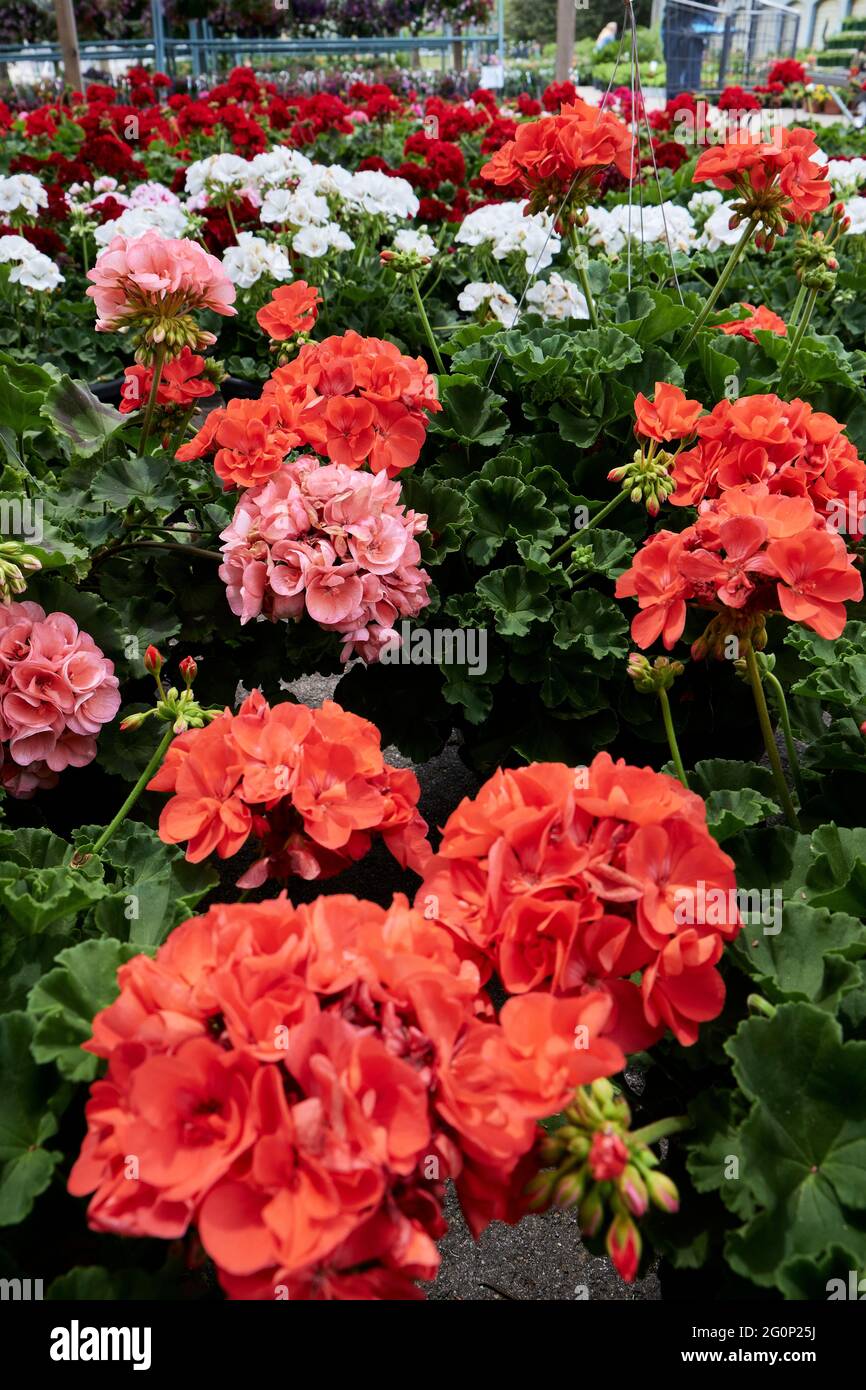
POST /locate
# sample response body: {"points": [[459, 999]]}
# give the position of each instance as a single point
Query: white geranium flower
{"points": [[279, 165], [507, 231], [855, 208], [704, 201], [166, 218], [376, 193], [409, 241], [301, 209], [37, 272], [218, 171], [847, 176], [716, 231], [500, 303], [654, 225], [557, 299], [254, 257], [16, 248], [327, 178], [22, 193]]}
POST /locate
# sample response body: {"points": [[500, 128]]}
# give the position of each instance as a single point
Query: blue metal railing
{"points": [[200, 45]]}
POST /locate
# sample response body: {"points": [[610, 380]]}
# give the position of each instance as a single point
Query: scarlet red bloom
{"points": [[776, 181], [298, 1083], [560, 155], [292, 309], [572, 888], [180, 383], [358, 400]]}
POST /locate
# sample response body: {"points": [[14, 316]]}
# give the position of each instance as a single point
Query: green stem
{"points": [[757, 1004], [425, 324], [793, 348], [587, 294], [795, 312], [135, 793], [594, 521], [179, 437], [672, 737], [720, 284], [769, 739], [579, 253], [158, 361], [232, 222], [785, 721], [116, 549], [660, 1129]]}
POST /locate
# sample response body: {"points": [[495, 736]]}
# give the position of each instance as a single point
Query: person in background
{"points": [[606, 36]]}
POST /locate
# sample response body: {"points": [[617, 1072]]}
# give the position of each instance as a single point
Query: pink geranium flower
{"points": [[56, 691]]}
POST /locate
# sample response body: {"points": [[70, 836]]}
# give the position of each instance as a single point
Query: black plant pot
{"points": [[236, 388], [108, 391]]}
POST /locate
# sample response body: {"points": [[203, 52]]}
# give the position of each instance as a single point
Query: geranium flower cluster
{"points": [[153, 284], [507, 230], [331, 542], [298, 1083], [751, 551], [28, 266], [573, 880], [56, 691], [310, 785], [181, 383], [787, 445], [356, 400], [562, 155], [776, 181]]}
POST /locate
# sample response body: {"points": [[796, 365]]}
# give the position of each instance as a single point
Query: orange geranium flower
{"points": [[670, 415], [292, 309], [760, 318], [311, 785], [299, 1083]]}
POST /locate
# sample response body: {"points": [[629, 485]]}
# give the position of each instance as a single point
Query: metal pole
{"points": [[500, 37], [564, 39], [157, 25]]}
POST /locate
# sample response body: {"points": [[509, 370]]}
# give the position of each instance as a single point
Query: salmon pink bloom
{"points": [[331, 542], [56, 692], [153, 285], [577, 889], [297, 1084], [310, 785]]}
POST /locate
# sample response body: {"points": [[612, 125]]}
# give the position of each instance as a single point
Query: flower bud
{"points": [[662, 1191], [189, 670], [569, 1189], [153, 661], [624, 1246], [591, 1213], [608, 1156], [633, 1190]]}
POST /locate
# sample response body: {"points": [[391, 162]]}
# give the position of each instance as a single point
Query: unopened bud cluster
{"points": [[176, 707], [592, 1162], [816, 264], [650, 678], [15, 562], [647, 479]]}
